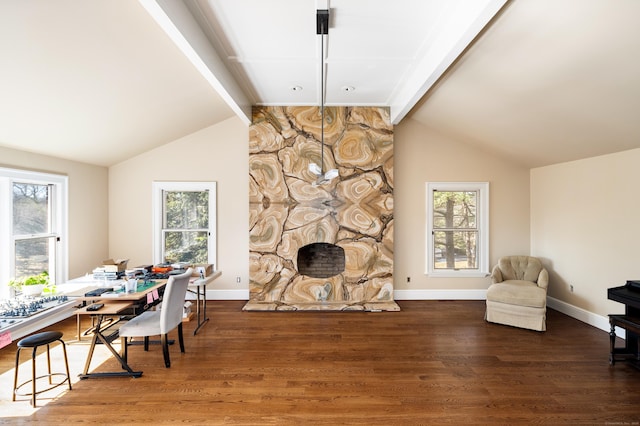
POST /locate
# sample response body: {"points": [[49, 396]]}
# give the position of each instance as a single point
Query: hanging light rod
{"points": [[322, 29]]}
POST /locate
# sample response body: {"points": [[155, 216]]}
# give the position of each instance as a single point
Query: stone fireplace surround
{"points": [[353, 212]]}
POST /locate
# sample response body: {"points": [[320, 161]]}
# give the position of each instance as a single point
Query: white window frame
{"points": [[59, 199], [483, 229], [157, 198]]}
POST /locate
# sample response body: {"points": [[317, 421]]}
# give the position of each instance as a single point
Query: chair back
{"points": [[525, 268], [173, 301]]}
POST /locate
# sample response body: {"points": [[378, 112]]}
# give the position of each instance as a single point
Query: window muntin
{"points": [[457, 229], [33, 221], [34, 244], [185, 226], [455, 233], [184, 229]]}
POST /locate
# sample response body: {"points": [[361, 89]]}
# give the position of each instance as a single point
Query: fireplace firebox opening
{"points": [[321, 260]]}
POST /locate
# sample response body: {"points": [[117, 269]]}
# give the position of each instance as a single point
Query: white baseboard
{"points": [[440, 294], [585, 316]]}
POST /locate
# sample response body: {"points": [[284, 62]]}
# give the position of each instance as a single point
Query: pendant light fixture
{"points": [[322, 28]]}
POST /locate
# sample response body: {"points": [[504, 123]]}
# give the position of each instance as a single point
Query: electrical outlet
{"points": [[571, 288], [238, 280], [408, 279]]}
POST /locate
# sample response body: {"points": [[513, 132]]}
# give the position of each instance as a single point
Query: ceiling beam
{"points": [[176, 20], [433, 66]]}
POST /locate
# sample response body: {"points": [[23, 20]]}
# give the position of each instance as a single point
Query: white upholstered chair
{"points": [[518, 293], [160, 322]]}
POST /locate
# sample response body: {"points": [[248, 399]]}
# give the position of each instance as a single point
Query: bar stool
{"points": [[35, 341]]}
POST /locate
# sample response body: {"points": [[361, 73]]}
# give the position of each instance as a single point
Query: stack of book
{"points": [[101, 273], [135, 272]]}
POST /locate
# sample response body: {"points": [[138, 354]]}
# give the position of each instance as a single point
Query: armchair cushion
{"points": [[518, 293]]}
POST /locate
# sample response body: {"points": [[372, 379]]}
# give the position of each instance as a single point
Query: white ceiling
{"points": [[104, 80], [375, 54]]}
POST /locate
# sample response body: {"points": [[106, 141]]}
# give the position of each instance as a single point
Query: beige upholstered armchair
{"points": [[518, 293]]}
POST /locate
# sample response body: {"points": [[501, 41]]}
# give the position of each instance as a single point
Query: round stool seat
{"points": [[40, 339], [34, 342]]}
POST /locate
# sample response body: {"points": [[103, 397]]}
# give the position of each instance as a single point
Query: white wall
{"points": [[88, 205], [218, 153], [584, 224], [422, 155], [583, 213]]}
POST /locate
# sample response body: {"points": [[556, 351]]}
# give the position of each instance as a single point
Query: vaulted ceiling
{"points": [[536, 81]]}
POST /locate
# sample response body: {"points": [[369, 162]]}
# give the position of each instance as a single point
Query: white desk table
{"points": [[198, 283]]}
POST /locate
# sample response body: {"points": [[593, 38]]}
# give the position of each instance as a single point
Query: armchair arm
{"points": [[496, 275], [543, 279]]}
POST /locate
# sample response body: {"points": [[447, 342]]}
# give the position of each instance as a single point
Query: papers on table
{"points": [[113, 294]]}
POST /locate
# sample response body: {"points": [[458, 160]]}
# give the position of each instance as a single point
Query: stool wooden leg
{"points": [[33, 376], [49, 365], [66, 363], [79, 337], [15, 376]]}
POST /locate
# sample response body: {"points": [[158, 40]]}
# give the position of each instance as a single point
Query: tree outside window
{"points": [[457, 228], [184, 222], [455, 232], [31, 230], [186, 226]]}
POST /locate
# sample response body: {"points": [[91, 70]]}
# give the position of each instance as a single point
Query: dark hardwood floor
{"points": [[435, 362]]}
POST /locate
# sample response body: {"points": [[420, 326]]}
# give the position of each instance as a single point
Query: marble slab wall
{"points": [[353, 211]]}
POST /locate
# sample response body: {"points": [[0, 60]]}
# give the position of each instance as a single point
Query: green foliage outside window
{"points": [[186, 221], [455, 230]]}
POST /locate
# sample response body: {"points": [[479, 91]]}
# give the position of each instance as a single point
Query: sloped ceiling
{"points": [[95, 81], [100, 81], [549, 81]]}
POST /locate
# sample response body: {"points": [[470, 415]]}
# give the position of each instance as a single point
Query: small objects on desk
{"points": [[162, 268], [203, 270], [131, 285], [114, 294], [98, 291], [95, 307]]}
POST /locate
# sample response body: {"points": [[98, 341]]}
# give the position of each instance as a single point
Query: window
{"points": [[184, 222], [33, 226], [457, 229]]}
